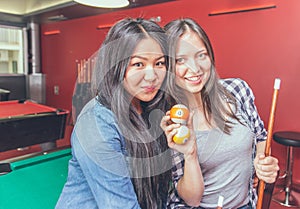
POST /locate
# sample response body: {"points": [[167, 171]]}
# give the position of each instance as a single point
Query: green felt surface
{"points": [[35, 183]]}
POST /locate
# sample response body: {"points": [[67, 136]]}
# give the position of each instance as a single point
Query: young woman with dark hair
{"points": [[120, 154]]}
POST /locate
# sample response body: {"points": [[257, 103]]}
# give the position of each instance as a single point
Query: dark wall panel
{"points": [[16, 84]]}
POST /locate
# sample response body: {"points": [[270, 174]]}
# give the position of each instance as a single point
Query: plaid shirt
{"points": [[245, 104]]}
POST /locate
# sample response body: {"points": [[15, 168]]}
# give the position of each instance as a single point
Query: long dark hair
{"points": [[145, 140], [213, 93]]}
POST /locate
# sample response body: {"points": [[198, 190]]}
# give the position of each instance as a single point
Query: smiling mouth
{"points": [[193, 78]]}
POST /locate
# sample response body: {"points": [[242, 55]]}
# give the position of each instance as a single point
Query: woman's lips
{"points": [[149, 89], [194, 79]]}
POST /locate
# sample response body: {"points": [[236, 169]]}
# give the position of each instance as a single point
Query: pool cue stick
{"points": [[78, 71], [269, 139], [84, 71], [88, 71], [81, 70]]}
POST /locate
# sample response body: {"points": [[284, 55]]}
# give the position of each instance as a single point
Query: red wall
{"points": [[257, 46]]}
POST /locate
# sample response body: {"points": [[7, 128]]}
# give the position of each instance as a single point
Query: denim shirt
{"points": [[98, 172]]}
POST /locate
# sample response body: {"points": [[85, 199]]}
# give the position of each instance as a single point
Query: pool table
{"points": [[34, 182], [25, 123]]}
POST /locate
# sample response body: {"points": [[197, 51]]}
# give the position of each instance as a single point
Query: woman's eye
{"points": [[202, 55], [138, 64], [161, 63], [180, 60]]}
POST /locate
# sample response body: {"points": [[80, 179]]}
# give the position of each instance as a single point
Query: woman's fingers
{"points": [[266, 168], [172, 128], [165, 121], [268, 177], [170, 134], [268, 163]]}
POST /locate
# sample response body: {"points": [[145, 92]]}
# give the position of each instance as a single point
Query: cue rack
{"points": [[82, 90]]}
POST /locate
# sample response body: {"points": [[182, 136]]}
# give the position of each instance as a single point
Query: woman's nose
{"points": [[150, 74], [193, 66]]}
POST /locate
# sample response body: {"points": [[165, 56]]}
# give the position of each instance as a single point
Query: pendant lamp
{"points": [[104, 3]]}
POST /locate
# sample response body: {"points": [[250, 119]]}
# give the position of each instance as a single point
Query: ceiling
{"points": [[20, 12]]}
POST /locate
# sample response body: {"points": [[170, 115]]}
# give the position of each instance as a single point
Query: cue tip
{"points": [[277, 83], [220, 201]]}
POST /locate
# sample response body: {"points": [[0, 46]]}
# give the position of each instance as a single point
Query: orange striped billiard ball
{"points": [[179, 114]]}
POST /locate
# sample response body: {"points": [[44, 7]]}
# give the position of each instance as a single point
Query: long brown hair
{"points": [[213, 93]]}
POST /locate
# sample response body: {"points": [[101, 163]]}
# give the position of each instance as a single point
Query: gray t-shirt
{"points": [[234, 173]]}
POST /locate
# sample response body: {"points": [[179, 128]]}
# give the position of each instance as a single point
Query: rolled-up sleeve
{"points": [[245, 98]]}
